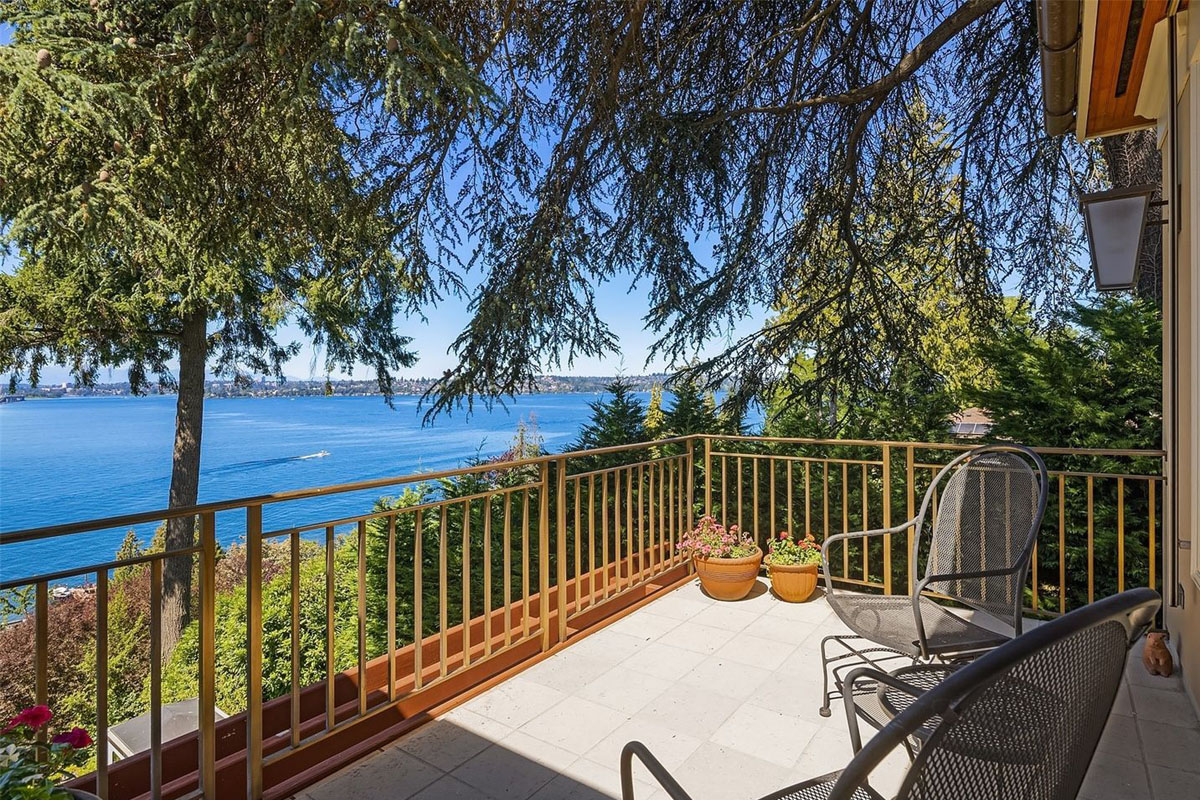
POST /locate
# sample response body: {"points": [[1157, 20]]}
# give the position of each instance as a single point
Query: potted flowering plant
{"points": [[30, 768], [727, 559], [792, 565]]}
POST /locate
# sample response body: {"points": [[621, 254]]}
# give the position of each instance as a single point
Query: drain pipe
{"points": [[1059, 34]]}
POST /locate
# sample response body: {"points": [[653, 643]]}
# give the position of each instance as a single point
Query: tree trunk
{"points": [[1133, 159], [185, 477]]}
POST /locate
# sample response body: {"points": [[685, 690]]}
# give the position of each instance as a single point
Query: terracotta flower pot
{"points": [[793, 582], [728, 578]]}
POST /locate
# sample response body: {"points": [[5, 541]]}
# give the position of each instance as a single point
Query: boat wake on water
{"points": [[243, 466]]}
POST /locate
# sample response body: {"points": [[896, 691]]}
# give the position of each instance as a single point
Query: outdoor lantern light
{"points": [[1115, 222]]}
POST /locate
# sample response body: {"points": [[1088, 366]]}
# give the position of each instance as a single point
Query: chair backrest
{"points": [[1021, 722], [989, 507]]}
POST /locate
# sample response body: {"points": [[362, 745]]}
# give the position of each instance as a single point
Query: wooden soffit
{"points": [[1116, 37]]}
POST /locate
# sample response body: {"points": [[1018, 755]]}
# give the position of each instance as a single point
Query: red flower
{"points": [[783, 534], [35, 717], [76, 737]]}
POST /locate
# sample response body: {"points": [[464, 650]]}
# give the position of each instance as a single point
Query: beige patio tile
{"points": [[447, 787], [671, 747], [575, 724], [567, 671], [756, 651], [697, 637], [663, 661], [1115, 778], [681, 607], [624, 690], [514, 702], [587, 780], [715, 772], [388, 773], [1173, 784], [453, 739], [1162, 705], [730, 616], [644, 625], [1170, 745], [724, 676], [766, 734], [684, 709], [770, 626]]}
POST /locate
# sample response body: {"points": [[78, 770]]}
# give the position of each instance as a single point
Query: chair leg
{"points": [[824, 711]]}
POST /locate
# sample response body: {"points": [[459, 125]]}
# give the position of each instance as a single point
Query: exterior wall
{"points": [[1184, 368]]}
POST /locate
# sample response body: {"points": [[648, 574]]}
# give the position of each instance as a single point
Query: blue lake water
{"points": [[72, 459]]}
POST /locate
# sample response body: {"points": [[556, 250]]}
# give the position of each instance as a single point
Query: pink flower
{"points": [[76, 738], [34, 717], [783, 534]]}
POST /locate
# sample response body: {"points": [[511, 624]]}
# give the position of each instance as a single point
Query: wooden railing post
{"points": [[208, 647], [254, 718], [887, 518], [561, 547], [708, 477], [544, 553], [911, 492], [691, 484]]}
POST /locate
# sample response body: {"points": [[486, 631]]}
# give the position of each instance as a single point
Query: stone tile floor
{"points": [[726, 695]]}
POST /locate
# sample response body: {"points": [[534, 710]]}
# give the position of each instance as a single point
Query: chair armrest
{"points": [[852, 535], [868, 673], [656, 768]]}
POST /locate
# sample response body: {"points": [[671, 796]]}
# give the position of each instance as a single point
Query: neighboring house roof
{"points": [[970, 423], [178, 719]]}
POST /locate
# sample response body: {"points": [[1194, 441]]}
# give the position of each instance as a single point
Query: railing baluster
{"points": [[102, 688], [330, 633], [561, 538], [691, 481], [41, 652], [1152, 533], [641, 522], [887, 519], [254, 719], [591, 560], [629, 579], [771, 498], [1062, 544], [807, 497], [156, 657], [754, 499], [294, 576], [1120, 534], [1091, 543], [724, 482], [544, 556], [578, 547], [825, 499], [845, 519], [604, 530], [443, 616], [791, 519], [466, 584], [741, 505], [418, 592], [487, 576], [866, 525], [525, 564], [207, 700], [362, 618], [911, 499], [390, 577], [508, 569]]}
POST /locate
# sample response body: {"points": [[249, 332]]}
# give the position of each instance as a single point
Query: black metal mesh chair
{"points": [[1019, 723], [983, 511]]}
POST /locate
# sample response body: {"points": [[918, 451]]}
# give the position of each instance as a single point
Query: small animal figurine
{"points": [[1156, 657]]}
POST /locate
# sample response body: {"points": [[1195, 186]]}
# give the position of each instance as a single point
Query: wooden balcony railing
{"points": [[396, 611]]}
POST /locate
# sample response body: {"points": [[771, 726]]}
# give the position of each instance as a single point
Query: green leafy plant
{"points": [[29, 767], [711, 539], [785, 551]]}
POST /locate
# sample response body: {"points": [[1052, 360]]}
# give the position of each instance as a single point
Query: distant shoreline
{"points": [[406, 387]]}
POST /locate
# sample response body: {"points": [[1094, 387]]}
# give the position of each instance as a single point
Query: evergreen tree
{"points": [[691, 412], [182, 181], [616, 419], [656, 420]]}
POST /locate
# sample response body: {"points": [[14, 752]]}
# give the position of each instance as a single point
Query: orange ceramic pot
{"points": [[728, 578], [793, 582]]}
